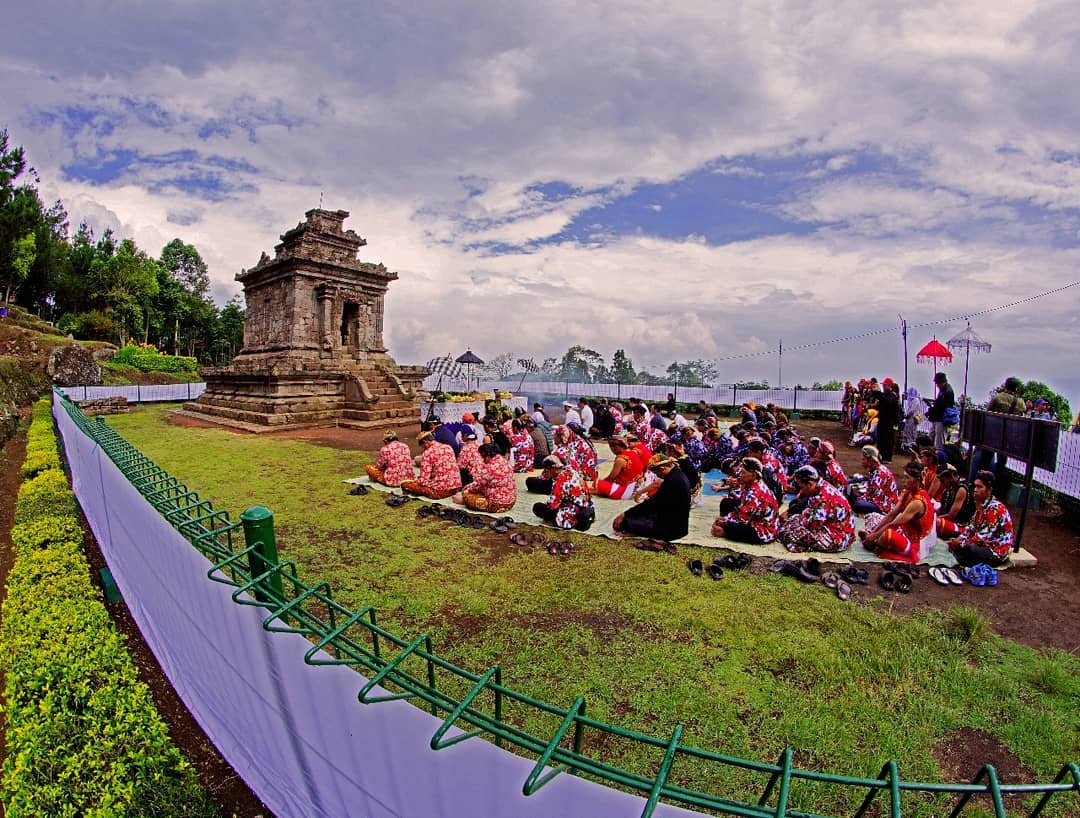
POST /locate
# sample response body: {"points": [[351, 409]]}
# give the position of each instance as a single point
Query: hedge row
{"points": [[83, 735], [147, 359]]}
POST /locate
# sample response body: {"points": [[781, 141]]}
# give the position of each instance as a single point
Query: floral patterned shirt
{"points": [[991, 527], [830, 511], [834, 473], [439, 468], [522, 450], [770, 461], [616, 415], [396, 463], [495, 480], [696, 451], [881, 488], [758, 508], [570, 496], [469, 457], [582, 458]]}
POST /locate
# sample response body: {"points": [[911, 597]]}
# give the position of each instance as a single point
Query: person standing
{"points": [[586, 413], [1005, 401], [944, 403], [888, 406]]}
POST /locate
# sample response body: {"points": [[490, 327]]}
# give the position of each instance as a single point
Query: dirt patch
{"points": [[962, 753]]}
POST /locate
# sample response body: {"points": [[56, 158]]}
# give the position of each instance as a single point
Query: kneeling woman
{"points": [[625, 471], [493, 487], [897, 535], [756, 518]]}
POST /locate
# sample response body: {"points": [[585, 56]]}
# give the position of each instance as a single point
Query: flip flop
{"points": [[715, 571], [843, 590], [903, 583], [812, 566], [553, 548], [888, 581], [499, 528], [649, 545], [669, 547], [953, 576], [359, 490], [831, 580], [508, 522], [536, 538], [780, 566], [519, 539], [566, 548], [477, 522], [937, 574], [695, 566], [743, 561]]}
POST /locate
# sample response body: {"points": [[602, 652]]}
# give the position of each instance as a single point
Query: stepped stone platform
{"points": [[313, 351]]}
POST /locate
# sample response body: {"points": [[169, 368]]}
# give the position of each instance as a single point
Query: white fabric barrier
{"points": [[1066, 476], [296, 734], [149, 393]]}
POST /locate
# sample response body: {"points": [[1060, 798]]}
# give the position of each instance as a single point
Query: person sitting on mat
{"points": [[625, 471], [522, 448], [570, 504], [666, 514], [469, 460], [957, 502], [394, 463], [881, 490], [439, 473], [896, 535], [756, 517], [989, 537], [493, 487], [541, 445], [825, 522], [582, 452]]}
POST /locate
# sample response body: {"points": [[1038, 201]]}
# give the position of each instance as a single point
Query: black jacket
{"points": [[669, 507]]}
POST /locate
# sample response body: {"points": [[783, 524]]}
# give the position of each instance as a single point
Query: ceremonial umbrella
{"points": [[933, 352], [968, 341], [469, 358], [444, 367]]}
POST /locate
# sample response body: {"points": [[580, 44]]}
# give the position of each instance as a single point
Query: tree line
{"points": [[105, 287]]}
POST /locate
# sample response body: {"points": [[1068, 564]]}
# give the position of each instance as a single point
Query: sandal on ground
{"points": [[508, 522], [695, 566], [537, 538], [715, 571], [668, 547], [553, 548], [937, 574], [953, 576], [566, 548], [519, 539], [358, 489], [831, 580], [888, 581], [499, 528], [649, 545], [843, 590], [903, 583], [855, 575]]}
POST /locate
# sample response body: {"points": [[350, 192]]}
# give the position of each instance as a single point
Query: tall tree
{"points": [[622, 368], [580, 363], [128, 281]]}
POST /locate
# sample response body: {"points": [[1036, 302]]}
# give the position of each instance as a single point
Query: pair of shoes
{"points": [[427, 511], [734, 561], [560, 548], [507, 521], [358, 490], [854, 574], [649, 545], [803, 570], [909, 568], [944, 575], [892, 581], [519, 539], [498, 526], [396, 500], [833, 580]]}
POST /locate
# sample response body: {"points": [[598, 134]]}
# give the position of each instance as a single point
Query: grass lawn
{"points": [[751, 664]]}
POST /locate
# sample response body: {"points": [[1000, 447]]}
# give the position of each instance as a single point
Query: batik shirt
{"points": [[583, 458], [395, 461], [570, 496], [494, 479], [439, 468], [991, 527], [834, 473], [759, 510], [881, 488], [796, 458], [616, 416], [697, 452], [770, 461], [829, 511], [469, 457], [522, 451]]}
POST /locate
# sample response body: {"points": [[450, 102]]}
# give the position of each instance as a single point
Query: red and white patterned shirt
{"points": [[830, 511], [522, 450], [617, 416], [570, 495], [494, 479], [881, 488], [469, 457], [834, 473], [758, 509], [395, 461], [439, 469], [583, 458], [991, 527]]}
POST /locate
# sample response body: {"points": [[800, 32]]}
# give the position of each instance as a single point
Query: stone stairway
{"points": [[373, 398]]}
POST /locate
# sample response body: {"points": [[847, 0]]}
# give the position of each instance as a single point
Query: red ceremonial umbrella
{"points": [[933, 352]]}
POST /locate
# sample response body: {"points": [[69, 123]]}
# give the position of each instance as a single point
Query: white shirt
{"points": [[587, 417], [538, 416], [572, 415], [680, 421]]}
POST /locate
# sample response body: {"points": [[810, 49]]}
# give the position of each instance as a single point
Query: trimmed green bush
{"points": [[146, 358], [83, 736]]}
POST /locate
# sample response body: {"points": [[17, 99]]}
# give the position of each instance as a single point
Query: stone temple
{"points": [[313, 352]]}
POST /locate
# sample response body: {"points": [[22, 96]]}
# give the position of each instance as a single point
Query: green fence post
{"points": [[259, 532]]}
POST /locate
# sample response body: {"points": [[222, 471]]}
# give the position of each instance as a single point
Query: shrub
{"points": [[83, 737], [146, 358]]}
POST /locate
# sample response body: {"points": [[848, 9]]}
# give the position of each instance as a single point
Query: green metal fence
{"points": [[243, 556]]}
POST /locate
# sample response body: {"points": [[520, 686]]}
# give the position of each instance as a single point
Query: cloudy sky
{"points": [[682, 180]]}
